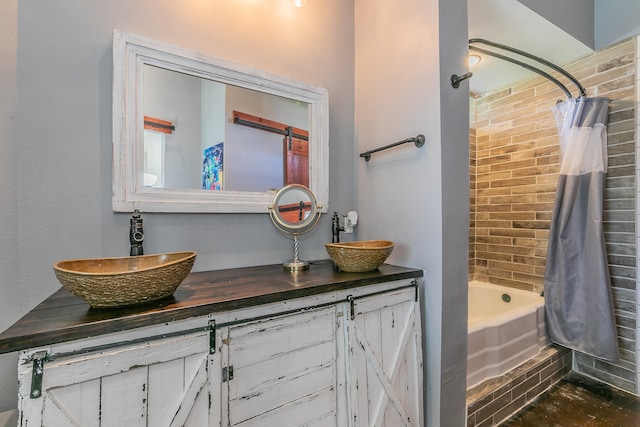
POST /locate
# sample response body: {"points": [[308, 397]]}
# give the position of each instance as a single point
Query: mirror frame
{"points": [[130, 53]]}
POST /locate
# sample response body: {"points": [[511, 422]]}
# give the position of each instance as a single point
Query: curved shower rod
{"points": [[529, 67], [524, 65]]}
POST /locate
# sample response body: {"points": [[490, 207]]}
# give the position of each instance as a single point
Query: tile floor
{"points": [[579, 401]]}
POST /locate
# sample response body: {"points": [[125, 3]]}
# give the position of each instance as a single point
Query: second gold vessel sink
{"points": [[121, 281], [361, 256]]}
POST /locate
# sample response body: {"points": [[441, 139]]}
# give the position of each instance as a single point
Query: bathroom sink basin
{"points": [[364, 255], [121, 281]]}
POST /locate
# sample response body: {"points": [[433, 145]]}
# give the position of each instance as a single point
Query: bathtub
{"points": [[502, 335]]}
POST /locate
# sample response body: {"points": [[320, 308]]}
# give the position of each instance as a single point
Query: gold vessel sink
{"points": [[364, 255], [121, 281]]}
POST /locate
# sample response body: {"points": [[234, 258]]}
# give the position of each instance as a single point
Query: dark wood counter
{"points": [[65, 317]]}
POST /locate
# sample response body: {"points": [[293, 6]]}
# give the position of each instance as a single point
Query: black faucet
{"points": [[136, 235], [336, 228]]}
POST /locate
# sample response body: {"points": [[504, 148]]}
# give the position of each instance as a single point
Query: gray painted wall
{"points": [[576, 17], [596, 23], [614, 23], [10, 291], [177, 98], [55, 138], [418, 197]]}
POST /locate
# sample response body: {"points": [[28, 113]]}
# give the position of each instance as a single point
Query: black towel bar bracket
{"points": [[418, 140]]}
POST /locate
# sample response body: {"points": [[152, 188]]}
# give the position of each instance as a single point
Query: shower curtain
{"points": [[578, 301]]}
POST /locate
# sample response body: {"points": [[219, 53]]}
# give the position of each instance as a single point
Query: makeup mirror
{"points": [[295, 210]]}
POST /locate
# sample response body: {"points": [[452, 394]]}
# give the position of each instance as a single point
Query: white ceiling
{"points": [[510, 23]]}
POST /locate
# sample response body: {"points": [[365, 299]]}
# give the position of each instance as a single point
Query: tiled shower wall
{"points": [[514, 167]]}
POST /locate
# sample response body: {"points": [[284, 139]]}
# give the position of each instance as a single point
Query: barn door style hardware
{"points": [[157, 125], [267, 125], [40, 357], [351, 300], [37, 372], [212, 337], [352, 306], [227, 373]]}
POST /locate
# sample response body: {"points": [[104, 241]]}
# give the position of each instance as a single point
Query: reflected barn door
{"points": [[296, 161]]}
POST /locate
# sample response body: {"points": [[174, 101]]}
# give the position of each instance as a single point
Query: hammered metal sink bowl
{"points": [[361, 256], [122, 281]]}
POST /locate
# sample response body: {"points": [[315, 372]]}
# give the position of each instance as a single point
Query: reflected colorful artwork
{"points": [[213, 167]]}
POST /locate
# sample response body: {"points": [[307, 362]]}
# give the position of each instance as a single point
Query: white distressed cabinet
{"points": [[385, 359], [344, 358], [160, 382], [283, 371]]}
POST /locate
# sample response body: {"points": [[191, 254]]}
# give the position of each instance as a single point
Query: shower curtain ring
{"points": [[456, 79]]}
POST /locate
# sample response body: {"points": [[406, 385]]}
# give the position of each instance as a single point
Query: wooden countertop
{"points": [[65, 317]]}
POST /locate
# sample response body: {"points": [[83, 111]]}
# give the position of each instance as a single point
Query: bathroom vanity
{"points": [[251, 346]]}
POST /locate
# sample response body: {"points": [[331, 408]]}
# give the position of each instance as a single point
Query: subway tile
{"points": [[548, 179], [530, 260], [625, 216], [619, 193], [532, 189], [512, 98], [553, 159], [492, 239], [537, 170], [614, 236], [514, 199], [529, 280], [514, 406], [618, 61], [535, 134], [494, 256], [623, 282], [612, 78], [494, 207], [622, 160], [628, 114], [526, 164], [515, 251], [514, 216], [510, 232], [515, 112], [494, 406], [544, 216], [609, 379], [531, 224], [620, 204]]}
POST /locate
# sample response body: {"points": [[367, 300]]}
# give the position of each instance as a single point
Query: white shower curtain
{"points": [[578, 301]]}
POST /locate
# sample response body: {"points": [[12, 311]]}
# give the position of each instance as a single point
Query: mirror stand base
{"points": [[296, 265]]}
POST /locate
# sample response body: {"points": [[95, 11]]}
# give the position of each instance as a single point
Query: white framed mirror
{"points": [[194, 133]]}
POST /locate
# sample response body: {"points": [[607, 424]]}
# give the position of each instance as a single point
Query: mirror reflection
{"points": [[204, 134], [294, 207], [194, 133]]}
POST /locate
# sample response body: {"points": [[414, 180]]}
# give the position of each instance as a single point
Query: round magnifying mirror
{"points": [[295, 211]]}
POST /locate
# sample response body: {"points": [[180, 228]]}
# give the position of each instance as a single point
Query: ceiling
{"points": [[510, 23]]}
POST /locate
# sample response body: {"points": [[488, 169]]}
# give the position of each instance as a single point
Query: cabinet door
{"points": [[385, 359], [163, 382], [281, 371]]}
